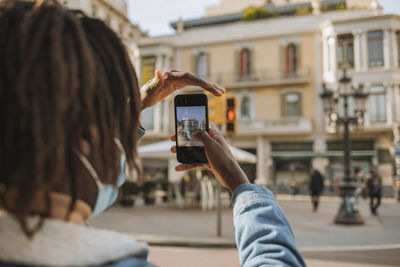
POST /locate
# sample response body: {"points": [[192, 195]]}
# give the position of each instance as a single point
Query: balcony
{"points": [[261, 78], [283, 126]]}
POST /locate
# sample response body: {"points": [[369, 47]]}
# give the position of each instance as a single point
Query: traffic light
{"points": [[230, 115], [216, 108]]}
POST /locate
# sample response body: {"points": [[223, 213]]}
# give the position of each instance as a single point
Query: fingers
{"points": [[173, 139], [221, 90], [217, 136], [203, 137], [185, 167], [193, 80], [154, 83], [214, 132], [214, 89], [159, 76]]}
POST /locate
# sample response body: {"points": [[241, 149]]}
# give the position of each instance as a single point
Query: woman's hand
{"points": [[162, 85], [220, 158]]}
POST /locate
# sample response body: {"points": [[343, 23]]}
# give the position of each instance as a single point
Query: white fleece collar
{"points": [[61, 243]]}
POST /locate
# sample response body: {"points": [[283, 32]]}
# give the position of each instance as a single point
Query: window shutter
{"points": [[208, 65], [194, 63], [237, 64], [298, 58], [252, 66], [282, 61], [300, 105]]}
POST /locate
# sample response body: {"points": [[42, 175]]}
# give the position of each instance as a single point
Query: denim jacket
{"points": [[262, 231]]}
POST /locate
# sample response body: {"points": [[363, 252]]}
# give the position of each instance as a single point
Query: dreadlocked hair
{"points": [[65, 79]]}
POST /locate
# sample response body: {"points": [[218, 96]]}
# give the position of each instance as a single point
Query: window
{"points": [[290, 59], [245, 63], [245, 99], [148, 68], [291, 105], [202, 65], [245, 107], [377, 104], [398, 47], [345, 51], [375, 49], [147, 118]]}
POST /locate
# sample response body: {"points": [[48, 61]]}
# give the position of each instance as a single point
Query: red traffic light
{"points": [[230, 115]]}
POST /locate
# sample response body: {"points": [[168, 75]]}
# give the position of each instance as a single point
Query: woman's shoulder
{"points": [[64, 243]]}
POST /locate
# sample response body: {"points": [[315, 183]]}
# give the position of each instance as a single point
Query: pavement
{"points": [[192, 233]]}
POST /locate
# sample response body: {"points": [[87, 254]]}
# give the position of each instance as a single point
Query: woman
{"points": [[69, 110]]}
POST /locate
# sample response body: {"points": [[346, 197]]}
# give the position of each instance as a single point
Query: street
{"points": [[179, 257], [187, 237]]}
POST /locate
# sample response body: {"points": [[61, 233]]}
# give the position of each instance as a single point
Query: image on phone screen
{"points": [[190, 119]]}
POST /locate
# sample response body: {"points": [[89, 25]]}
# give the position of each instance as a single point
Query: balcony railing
{"points": [[262, 78], [283, 126]]}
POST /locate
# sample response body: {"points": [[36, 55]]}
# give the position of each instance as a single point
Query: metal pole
{"points": [[346, 143], [347, 214], [219, 211]]}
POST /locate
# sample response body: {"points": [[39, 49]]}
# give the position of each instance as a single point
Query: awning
{"points": [[161, 150], [311, 154]]}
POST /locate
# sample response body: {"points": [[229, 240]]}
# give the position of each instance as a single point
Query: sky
{"points": [[195, 112], [154, 16]]}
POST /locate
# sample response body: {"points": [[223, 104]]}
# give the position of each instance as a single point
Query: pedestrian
{"points": [[69, 113], [360, 182], [374, 185], [316, 187], [294, 189], [359, 179]]}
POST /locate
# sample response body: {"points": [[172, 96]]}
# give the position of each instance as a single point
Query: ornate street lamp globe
{"points": [[345, 84], [360, 99], [327, 98]]}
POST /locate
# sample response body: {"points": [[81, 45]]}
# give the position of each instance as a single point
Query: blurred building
{"points": [[114, 13], [275, 66]]}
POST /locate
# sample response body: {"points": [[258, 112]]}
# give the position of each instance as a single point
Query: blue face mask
{"points": [[107, 193]]}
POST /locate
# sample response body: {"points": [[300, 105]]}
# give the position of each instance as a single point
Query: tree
{"points": [[255, 13]]}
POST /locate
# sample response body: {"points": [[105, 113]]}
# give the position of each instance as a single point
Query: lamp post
{"points": [[346, 214]]}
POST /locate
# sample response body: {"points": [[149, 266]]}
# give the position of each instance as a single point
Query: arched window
{"points": [[245, 107], [291, 105], [245, 63], [290, 59], [202, 65]]}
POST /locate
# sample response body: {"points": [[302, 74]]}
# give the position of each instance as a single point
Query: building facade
{"points": [[369, 48], [115, 14], [276, 67]]}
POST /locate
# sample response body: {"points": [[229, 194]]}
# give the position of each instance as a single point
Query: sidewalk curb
{"points": [[349, 248], [287, 197], [173, 241], [195, 242]]}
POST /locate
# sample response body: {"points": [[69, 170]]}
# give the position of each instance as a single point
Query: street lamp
{"points": [[346, 214]]}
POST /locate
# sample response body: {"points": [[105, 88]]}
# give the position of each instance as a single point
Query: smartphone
{"points": [[191, 114]]}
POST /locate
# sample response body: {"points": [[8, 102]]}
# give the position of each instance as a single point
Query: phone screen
{"points": [[191, 114], [189, 120]]}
